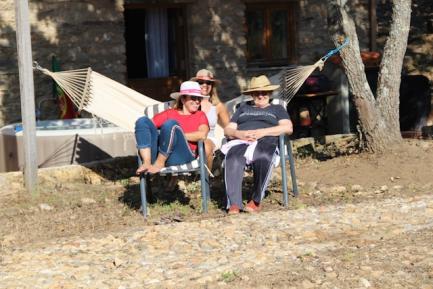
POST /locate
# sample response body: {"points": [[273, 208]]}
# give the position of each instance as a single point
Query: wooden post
{"points": [[27, 93]]}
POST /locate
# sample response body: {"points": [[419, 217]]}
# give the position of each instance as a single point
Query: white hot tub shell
{"points": [[63, 142]]}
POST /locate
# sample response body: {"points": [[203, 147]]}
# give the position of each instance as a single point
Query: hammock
{"points": [[293, 78], [101, 96]]}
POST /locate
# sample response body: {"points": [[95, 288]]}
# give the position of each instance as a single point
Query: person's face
{"points": [[205, 86], [261, 98], [191, 103]]}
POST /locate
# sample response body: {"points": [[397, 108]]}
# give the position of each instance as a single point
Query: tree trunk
{"points": [[378, 118]]}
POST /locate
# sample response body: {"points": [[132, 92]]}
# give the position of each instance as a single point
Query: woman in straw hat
{"points": [[180, 129], [254, 131], [215, 110]]}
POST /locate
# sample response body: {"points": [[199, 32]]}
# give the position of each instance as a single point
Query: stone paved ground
{"points": [[377, 244]]}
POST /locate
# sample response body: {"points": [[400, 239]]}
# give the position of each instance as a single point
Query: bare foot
{"points": [[142, 169], [153, 169]]}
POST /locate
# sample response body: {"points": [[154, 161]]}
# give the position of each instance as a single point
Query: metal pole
{"points": [[24, 48]]}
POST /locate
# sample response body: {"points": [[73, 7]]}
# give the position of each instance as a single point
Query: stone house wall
{"points": [[91, 33], [80, 33]]}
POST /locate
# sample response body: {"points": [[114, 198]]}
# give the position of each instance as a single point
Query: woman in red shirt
{"points": [[179, 130]]}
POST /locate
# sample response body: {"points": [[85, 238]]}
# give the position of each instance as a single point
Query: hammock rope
{"points": [[293, 78]]}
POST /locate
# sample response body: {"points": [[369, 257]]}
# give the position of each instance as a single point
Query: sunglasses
{"points": [[194, 98], [208, 82], [259, 93]]}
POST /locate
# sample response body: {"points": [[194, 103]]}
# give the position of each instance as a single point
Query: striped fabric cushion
{"points": [[193, 166], [151, 110]]}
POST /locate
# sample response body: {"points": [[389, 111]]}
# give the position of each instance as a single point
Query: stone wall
{"points": [[218, 42], [90, 33], [80, 33]]}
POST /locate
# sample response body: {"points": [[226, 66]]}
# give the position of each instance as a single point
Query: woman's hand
{"points": [[257, 134], [247, 135]]}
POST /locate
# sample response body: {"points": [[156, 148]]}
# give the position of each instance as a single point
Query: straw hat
{"points": [[188, 88], [260, 83], [204, 74]]}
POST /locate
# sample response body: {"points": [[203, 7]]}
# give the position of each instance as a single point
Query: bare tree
{"points": [[378, 117]]}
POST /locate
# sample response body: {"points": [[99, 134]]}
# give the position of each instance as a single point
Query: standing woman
{"points": [[254, 131], [215, 110], [180, 128]]}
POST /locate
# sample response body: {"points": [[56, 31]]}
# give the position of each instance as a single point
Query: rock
{"points": [[338, 189], [356, 188], [365, 283], [118, 262], [383, 188], [45, 207], [317, 193], [328, 269], [8, 240], [88, 201], [307, 284], [331, 275]]}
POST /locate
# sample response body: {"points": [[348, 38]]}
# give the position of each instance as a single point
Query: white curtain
{"points": [[156, 43]]}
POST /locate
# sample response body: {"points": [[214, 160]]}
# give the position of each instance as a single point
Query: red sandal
{"points": [[252, 207]]}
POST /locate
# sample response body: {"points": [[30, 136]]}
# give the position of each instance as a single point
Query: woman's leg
{"points": [[209, 148], [173, 144], [262, 166], [146, 136], [234, 174]]}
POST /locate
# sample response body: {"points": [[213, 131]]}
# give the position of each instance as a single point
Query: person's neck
{"points": [[205, 105], [184, 111], [264, 106]]}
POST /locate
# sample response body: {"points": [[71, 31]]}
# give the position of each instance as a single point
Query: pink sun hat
{"points": [[188, 88]]}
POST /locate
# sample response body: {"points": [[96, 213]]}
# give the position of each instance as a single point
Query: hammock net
{"points": [[293, 78], [102, 96]]}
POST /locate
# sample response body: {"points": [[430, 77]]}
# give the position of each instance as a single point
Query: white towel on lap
{"points": [[249, 153]]}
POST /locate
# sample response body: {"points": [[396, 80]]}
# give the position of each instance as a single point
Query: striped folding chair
{"points": [[284, 146], [196, 166]]}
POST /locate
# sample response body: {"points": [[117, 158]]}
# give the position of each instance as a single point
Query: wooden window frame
{"points": [[291, 8]]}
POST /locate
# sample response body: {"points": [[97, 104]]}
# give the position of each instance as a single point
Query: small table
{"points": [[313, 107]]}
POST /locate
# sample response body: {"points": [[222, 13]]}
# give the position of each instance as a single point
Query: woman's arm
{"points": [[223, 115], [200, 134], [232, 132]]}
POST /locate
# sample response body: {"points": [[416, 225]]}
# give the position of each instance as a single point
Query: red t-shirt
{"points": [[189, 123]]}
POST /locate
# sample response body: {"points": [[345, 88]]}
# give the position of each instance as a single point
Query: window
{"points": [[156, 47], [271, 33], [152, 36]]}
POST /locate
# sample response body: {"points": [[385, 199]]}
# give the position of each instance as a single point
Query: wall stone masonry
{"points": [[91, 33], [80, 33], [218, 42]]}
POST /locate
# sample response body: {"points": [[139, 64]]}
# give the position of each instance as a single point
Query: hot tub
{"points": [[63, 142]]}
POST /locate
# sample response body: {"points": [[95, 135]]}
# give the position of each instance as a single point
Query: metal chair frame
{"points": [[201, 169]]}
